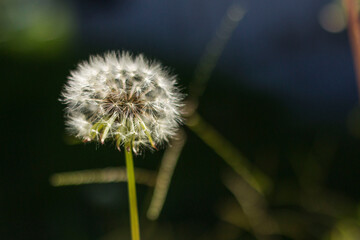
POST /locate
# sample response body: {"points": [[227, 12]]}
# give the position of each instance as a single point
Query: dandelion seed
{"points": [[122, 98]]}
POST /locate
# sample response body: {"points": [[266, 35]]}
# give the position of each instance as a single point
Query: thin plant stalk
{"points": [[134, 217], [164, 176], [237, 161], [352, 9], [104, 175]]}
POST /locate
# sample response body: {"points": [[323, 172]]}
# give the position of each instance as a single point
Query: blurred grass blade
{"points": [[204, 69], [214, 49], [165, 173], [106, 175], [253, 205], [254, 177]]}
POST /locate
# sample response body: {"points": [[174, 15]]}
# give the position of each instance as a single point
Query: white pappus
{"points": [[123, 98]]}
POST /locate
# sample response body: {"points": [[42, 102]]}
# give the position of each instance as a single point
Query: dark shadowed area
{"points": [[272, 151]]}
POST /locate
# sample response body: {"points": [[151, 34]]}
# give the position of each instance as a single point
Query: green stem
{"points": [[134, 218]]}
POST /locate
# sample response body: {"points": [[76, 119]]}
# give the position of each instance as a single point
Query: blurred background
{"points": [[275, 154]]}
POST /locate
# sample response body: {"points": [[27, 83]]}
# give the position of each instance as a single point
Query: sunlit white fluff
{"points": [[123, 98]]}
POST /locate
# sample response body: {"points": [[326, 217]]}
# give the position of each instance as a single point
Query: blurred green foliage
{"points": [[40, 27]]}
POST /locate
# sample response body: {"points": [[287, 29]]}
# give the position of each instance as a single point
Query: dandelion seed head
{"points": [[122, 98]]}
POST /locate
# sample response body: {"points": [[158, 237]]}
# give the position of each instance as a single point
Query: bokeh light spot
{"points": [[332, 18]]}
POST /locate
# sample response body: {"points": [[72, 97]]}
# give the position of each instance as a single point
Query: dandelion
{"points": [[122, 98], [129, 100]]}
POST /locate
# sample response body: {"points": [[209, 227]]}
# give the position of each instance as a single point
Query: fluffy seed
{"points": [[123, 98]]}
